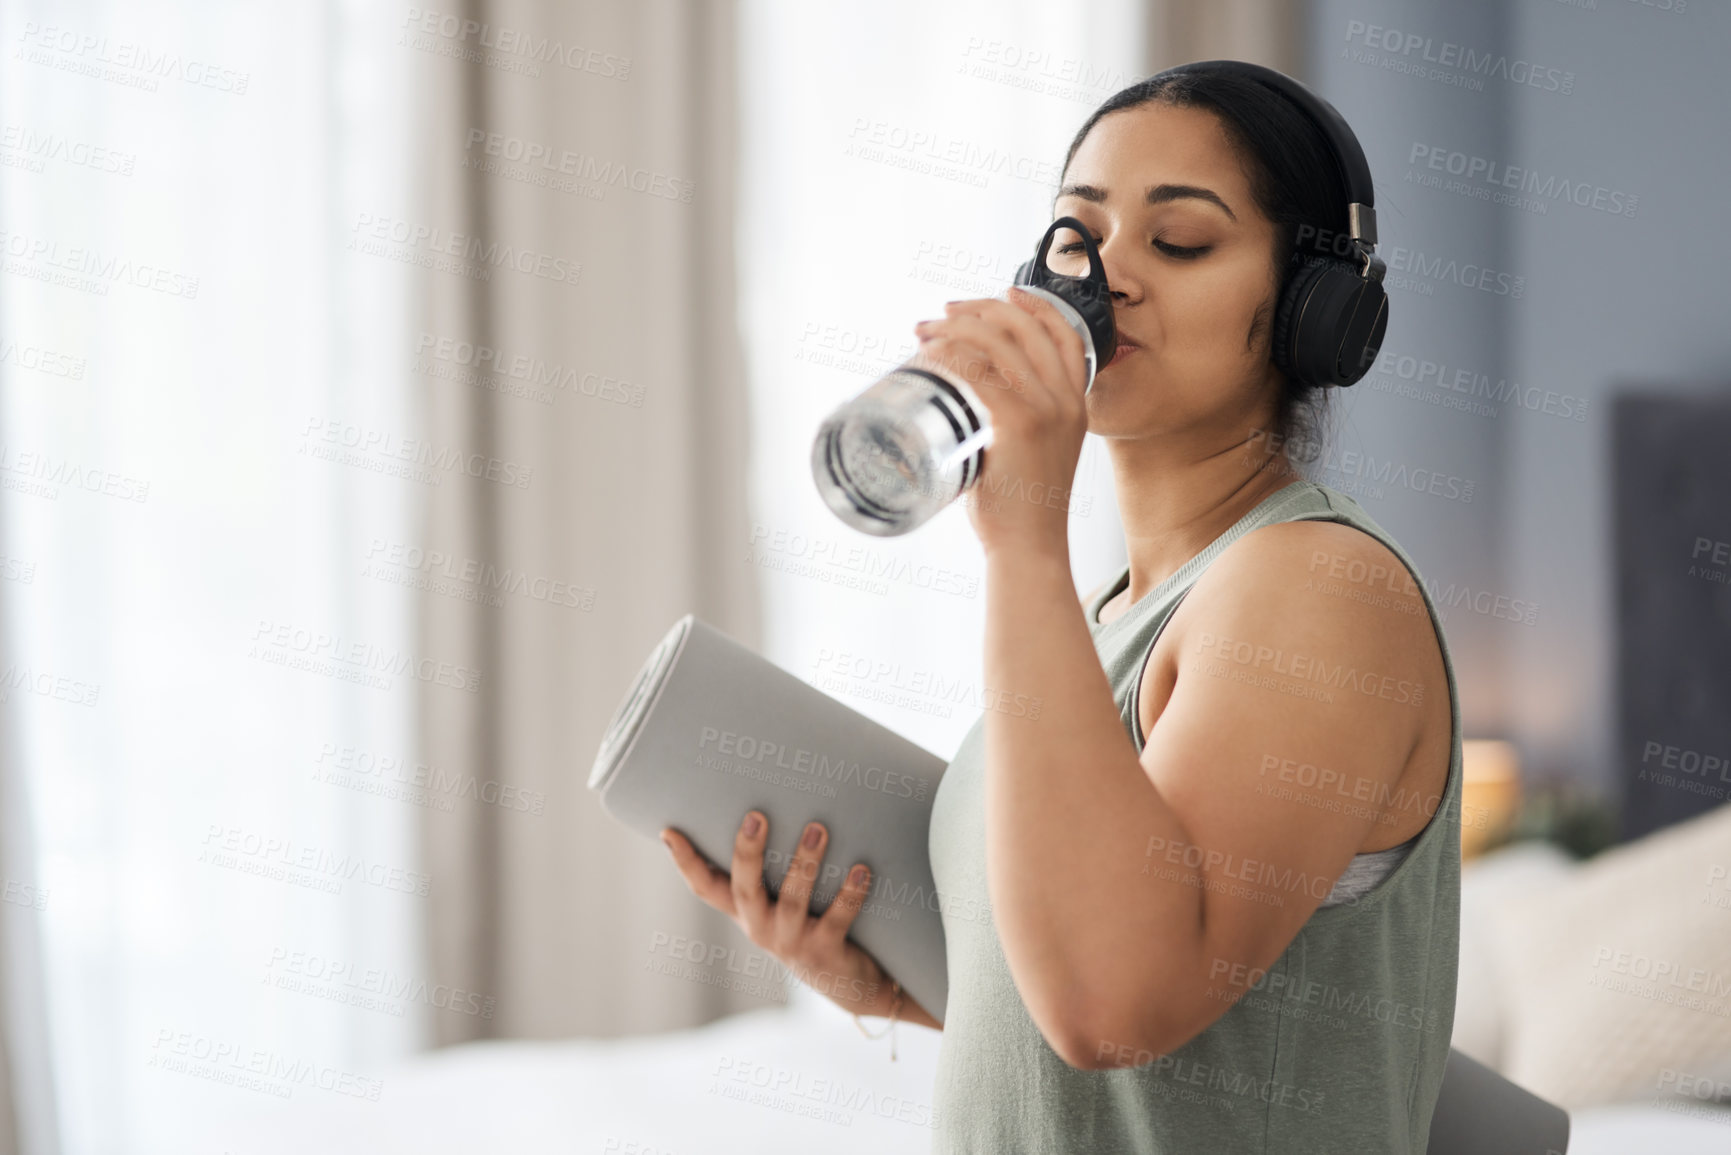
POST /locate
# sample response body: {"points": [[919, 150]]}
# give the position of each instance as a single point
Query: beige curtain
{"points": [[636, 493], [1266, 32]]}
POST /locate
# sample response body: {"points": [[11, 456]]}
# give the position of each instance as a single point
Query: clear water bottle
{"points": [[915, 440]]}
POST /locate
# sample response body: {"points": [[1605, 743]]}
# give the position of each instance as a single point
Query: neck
{"points": [[1175, 499]]}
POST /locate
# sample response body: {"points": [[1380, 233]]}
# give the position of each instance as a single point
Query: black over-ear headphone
{"points": [[1333, 310]]}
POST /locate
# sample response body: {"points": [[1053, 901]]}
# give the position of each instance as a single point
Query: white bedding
{"points": [[660, 1095], [1631, 1129], [802, 1079]]}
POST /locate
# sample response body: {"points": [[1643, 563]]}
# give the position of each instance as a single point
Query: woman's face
{"points": [[1188, 257]]}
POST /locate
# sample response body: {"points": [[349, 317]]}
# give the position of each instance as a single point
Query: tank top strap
{"points": [[1124, 642], [1296, 502]]}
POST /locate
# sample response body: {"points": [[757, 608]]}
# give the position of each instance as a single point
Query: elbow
{"points": [[1107, 1019], [1107, 1041], [1079, 1050], [1129, 1032]]}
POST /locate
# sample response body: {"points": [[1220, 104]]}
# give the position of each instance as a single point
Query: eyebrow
{"points": [[1157, 194]]}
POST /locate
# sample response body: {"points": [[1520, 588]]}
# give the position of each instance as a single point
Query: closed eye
{"points": [[1179, 252]]}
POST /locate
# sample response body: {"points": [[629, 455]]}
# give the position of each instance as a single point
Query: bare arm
{"points": [[1128, 891]]}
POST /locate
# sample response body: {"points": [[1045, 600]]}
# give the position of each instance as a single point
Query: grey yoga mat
{"points": [[710, 729], [1478, 1112]]}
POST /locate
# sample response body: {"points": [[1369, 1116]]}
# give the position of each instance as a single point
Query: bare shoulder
{"points": [[1322, 607], [1336, 573]]}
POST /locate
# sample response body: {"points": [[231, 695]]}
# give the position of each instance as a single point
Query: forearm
{"points": [[1070, 811]]}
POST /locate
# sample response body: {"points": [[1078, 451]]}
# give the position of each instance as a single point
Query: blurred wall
{"points": [[1534, 166]]}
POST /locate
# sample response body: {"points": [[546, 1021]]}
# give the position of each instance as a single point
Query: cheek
{"points": [[1210, 317]]}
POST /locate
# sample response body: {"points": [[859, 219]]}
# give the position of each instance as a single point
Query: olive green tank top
{"points": [[1340, 1047]]}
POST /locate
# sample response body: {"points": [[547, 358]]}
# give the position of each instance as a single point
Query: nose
{"points": [[1121, 283]]}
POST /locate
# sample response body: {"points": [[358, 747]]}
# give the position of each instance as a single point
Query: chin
{"points": [[1117, 377], [1129, 401], [1105, 407]]}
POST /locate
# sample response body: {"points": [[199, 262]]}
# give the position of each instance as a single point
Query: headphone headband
{"points": [[1347, 153]]}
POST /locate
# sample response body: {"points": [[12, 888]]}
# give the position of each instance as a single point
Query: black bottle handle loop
{"points": [[1096, 270], [1090, 296]]}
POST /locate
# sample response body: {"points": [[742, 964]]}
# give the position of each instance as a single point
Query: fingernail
{"points": [[856, 875], [751, 825], [812, 834]]}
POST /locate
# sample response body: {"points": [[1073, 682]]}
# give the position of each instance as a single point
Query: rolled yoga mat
{"points": [[1478, 1112], [711, 730]]}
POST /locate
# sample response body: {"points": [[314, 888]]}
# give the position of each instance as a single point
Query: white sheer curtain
{"points": [[897, 155], [205, 692]]}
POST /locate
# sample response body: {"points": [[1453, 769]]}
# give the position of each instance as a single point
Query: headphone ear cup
{"points": [[1331, 323], [1298, 287], [1365, 326]]}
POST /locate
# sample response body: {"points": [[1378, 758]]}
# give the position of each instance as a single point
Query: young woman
{"points": [[1214, 884]]}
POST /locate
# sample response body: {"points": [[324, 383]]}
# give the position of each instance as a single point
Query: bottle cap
{"points": [[1090, 296]]}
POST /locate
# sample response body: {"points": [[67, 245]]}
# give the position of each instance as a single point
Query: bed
{"points": [[661, 1095], [802, 1077]]}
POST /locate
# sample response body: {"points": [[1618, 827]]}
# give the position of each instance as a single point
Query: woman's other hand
{"points": [[814, 948]]}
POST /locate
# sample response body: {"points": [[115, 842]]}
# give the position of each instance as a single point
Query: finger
{"points": [[974, 353], [971, 305], [1022, 348], [793, 902], [1074, 352], [1036, 327], [1003, 352], [833, 924], [708, 882], [1036, 343], [749, 898]]}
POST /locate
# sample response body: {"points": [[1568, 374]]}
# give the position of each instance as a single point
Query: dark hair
{"points": [[1294, 180]]}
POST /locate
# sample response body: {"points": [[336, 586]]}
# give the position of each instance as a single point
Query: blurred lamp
{"points": [[1490, 793]]}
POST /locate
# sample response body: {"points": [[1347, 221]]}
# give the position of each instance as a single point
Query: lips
{"points": [[1123, 349]]}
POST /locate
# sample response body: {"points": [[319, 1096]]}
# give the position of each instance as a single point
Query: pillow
{"points": [[1488, 882], [1616, 978]]}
